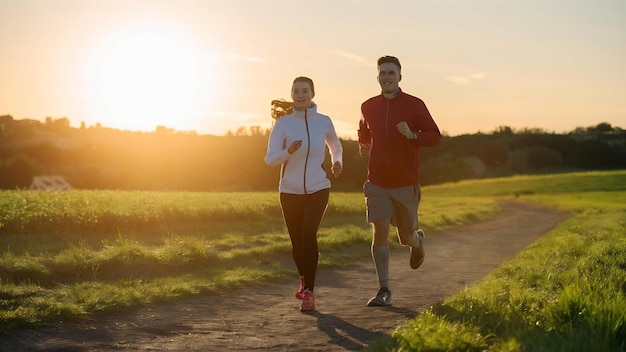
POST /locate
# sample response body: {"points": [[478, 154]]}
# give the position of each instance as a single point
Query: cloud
{"points": [[462, 80], [347, 55], [466, 80]]}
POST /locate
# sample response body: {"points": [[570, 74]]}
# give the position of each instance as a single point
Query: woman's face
{"points": [[301, 95]]}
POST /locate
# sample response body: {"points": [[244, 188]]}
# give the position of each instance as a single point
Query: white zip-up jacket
{"points": [[302, 172]]}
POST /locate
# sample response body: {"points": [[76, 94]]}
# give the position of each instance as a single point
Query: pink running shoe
{"points": [[308, 301], [299, 292]]}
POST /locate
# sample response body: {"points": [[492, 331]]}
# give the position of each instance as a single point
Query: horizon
{"points": [[348, 137], [211, 67]]}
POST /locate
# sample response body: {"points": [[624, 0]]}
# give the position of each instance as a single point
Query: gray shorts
{"points": [[397, 204]]}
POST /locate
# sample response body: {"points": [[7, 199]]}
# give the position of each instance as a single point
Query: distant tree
{"points": [[602, 128], [506, 130], [259, 131], [46, 154], [24, 129], [533, 130], [541, 158], [241, 131], [593, 153], [18, 172], [105, 158], [492, 153], [515, 163], [6, 124], [164, 130], [60, 126]]}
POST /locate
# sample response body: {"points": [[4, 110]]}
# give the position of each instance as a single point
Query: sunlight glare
{"points": [[146, 75]]}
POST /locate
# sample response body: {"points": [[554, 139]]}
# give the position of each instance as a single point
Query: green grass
{"points": [[519, 186], [65, 254], [565, 292]]}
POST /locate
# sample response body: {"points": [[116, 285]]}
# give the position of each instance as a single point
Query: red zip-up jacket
{"points": [[394, 159]]}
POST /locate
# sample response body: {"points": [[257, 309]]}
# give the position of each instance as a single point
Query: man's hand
{"points": [[336, 168], [364, 149], [405, 130]]}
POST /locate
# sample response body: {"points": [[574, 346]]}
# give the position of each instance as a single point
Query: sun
{"points": [[146, 74]]}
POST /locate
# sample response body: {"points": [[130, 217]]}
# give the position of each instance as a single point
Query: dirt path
{"points": [[266, 317]]}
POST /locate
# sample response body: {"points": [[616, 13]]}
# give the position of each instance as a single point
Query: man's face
{"points": [[388, 77]]}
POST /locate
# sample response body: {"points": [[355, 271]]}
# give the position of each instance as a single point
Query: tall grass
{"points": [[565, 292], [70, 253]]}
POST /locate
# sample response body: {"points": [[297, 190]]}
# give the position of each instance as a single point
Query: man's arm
{"points": [[428, 134], [365, 137]]}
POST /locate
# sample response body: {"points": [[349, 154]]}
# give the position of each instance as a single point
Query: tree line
{"points": [[96, 157]]}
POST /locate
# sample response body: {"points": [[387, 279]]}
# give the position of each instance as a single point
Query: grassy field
{"points": [[566, 292], [64, 254]]}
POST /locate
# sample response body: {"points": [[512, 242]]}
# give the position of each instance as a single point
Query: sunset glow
{"points": [[144, 75], [213, 66]]}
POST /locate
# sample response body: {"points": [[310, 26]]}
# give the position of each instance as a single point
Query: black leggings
{"points": [[303, 214]]}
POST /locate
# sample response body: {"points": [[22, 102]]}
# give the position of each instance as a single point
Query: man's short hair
{"points": [[392, 59]]}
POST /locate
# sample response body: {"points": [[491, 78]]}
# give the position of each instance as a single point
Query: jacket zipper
{"points": [[387, 131], [308, 148]]}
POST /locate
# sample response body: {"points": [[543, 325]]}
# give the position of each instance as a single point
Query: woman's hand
{"points": [[295, 145], [336, 168]]}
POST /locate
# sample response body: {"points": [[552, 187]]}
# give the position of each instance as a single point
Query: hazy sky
{"points": [[212, 66]]}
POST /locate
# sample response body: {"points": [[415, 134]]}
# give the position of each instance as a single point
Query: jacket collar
{"points": [[398, 92], [309, 111]]}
